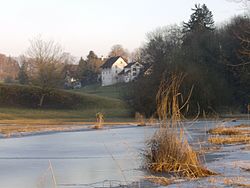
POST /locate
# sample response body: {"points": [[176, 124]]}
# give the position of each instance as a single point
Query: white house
{"points": [[110, 70], [130, 72]]}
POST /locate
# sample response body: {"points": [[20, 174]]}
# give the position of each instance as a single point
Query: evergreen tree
{"points": [[23, 75], [89, 69], [201, 19]]}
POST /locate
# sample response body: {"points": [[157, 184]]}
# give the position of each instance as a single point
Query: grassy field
{"points": [[93, 99], [117, 91]]}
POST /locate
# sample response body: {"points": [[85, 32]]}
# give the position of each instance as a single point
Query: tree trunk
{"points": [[41, 100]]}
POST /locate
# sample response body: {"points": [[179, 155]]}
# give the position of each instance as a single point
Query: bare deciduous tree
{"points": [[118, 50], [244, 3], [136, 55], [46, 64]]}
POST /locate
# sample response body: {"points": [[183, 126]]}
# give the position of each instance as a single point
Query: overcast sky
{"points": [[84, 25]]}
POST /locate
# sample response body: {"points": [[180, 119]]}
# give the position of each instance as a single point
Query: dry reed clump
{"points": [[152, 121], [226, 131], [168, 150], [236, 134], [242, 139], [140, 119], [99, 121]]}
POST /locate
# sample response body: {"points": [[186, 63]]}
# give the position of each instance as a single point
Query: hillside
{"points": [[18, 101], [117, 91]]}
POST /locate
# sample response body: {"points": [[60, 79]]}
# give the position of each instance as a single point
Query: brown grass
{"points": [[236, 182], [242, 126], [168, 150], [243, 139], [140, 119], [236, 134], [209, 149], [227, 131], [159, 180], [8, 130], [152, 121]]}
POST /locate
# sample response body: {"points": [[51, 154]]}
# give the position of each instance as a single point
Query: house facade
{"points": [[70, 80], [111, 69], [130, 72], [116, 70]]}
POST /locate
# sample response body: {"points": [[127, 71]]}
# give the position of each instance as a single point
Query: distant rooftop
{"points": [[110, 61]]}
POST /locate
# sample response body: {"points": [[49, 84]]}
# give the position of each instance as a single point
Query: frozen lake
{"points": [[82, 158]]}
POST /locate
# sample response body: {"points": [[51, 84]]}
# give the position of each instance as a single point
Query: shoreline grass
{"points": [[239, 139], [10, 130], [228, 131], [239, 134]]}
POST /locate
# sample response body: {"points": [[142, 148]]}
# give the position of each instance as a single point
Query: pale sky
{"points": [[84, 25]]}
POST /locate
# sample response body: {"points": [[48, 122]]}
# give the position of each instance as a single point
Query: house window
{"points": [[134, 74], [134, 69]]}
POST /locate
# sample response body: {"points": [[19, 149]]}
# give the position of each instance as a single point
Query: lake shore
{"points": [[20, 130], [28, 127]]}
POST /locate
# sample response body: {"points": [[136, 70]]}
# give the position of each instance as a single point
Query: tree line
{"points": [[214, 60]]}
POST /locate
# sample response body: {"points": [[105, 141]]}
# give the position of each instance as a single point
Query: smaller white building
{"points": [[111, 69], [130, 72]]}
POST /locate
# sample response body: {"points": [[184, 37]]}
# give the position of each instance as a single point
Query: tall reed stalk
{"points": [[168, 150]]}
